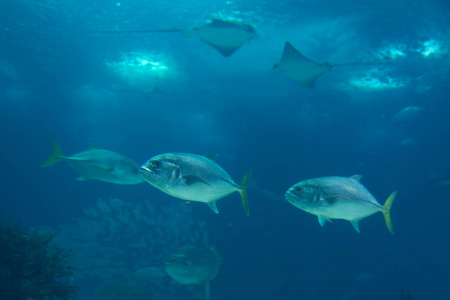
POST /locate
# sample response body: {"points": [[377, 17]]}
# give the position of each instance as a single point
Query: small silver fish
{"points": [[338, 198], [193, 177], [98, 164], [194, 264]]}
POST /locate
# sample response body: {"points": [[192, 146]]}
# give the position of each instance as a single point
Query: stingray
{"points": [[303, 70], [224, 36]]}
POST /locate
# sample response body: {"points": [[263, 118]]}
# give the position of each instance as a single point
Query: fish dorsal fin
{"points": [[356, 177], [202, 239], [213, 206], [212, 156], [192, 179], [94, 146]]}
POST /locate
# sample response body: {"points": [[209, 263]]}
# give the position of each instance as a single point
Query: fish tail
{"points": [[243, 191], [55, 157], [387, 211]]}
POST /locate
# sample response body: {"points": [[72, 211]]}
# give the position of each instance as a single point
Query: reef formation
{"points": [[32, 266]]}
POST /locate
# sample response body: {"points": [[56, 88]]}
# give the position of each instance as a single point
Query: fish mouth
{"points": [[146, 173], [290, 196], [293, 198]]}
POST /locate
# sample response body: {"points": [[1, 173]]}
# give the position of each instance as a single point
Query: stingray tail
{"points": [[243, 192], [387, 211], [55, 157], [139, 31], [361, 64]]}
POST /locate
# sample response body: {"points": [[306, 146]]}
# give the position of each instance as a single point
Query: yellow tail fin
{"points": [[387, 211], [243, 192], [55, 157]]}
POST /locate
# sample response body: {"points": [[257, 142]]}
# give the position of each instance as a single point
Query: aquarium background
{"points": [[59, 80]]}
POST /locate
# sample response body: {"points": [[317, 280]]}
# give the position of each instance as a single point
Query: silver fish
{"points": [[338, 198], [194, 264], [193, 177], [98, 164]]}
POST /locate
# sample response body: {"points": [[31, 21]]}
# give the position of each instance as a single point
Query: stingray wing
{"points": [[298, 67], [224, 36]]}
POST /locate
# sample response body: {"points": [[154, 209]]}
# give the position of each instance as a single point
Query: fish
{"points": [[223, 35], [194, 264], [99, 164], [303, 70], [193, 177], [407, 114], [338, 198]]}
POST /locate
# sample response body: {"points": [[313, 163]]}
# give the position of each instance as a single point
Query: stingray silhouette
{"points": [[303, 70], [224, 36]]}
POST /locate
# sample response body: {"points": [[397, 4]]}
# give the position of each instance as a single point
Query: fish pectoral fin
{"points": [[323, 220], [206, 287], [213, 206], [192, 179], [355, 224]]}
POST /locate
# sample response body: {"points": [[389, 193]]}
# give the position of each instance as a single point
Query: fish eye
{"points": [[186, 263], [156, 164], [298, 189]]}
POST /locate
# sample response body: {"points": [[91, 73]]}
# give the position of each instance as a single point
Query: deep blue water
{"points": [[60, 81]]}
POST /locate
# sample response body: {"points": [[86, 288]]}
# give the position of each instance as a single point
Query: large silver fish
{"points": [[338, 198], [194, 264], [98, 164], [193, 177]]}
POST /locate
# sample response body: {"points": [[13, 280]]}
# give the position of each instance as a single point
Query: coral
{"points": [[32, 266]]}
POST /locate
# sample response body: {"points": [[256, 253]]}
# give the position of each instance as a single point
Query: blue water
{"points": [[60, 81]]}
